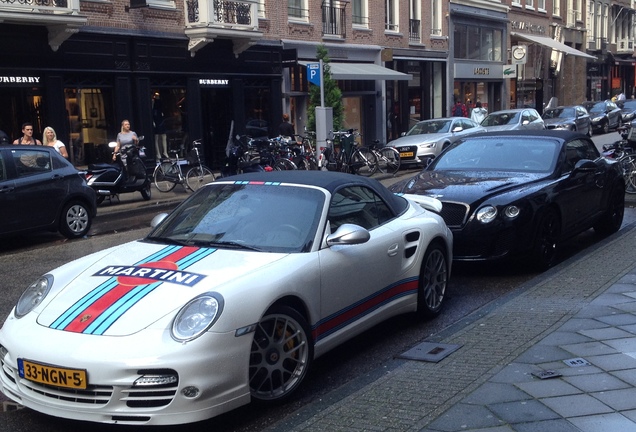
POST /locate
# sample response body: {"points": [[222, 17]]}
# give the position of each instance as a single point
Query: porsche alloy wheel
{"points": [[433, 282], [546, 240], [280, 356]]}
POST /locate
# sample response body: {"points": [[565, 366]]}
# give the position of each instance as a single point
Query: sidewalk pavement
{"points": [[556, 355]]}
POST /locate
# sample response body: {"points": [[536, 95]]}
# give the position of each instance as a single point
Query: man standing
{"points": [[27, 136]]}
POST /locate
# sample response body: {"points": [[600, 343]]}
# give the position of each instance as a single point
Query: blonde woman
{"points": [[125, 138], [50, 139]]}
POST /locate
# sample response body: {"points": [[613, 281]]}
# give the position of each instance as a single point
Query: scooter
{"points": [[127, 174], [240, 157]]}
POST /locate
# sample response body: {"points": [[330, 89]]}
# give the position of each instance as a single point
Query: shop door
{"points": [[20, 105], [217, 121]]}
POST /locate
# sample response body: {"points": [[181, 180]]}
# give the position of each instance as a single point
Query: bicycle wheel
{"points": [[364, 162], [628, 164], [284, 164], [162, 179], [389, 160], [198, 176]]}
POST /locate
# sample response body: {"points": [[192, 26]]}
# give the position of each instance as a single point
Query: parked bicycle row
{"points": [[342, 153]]}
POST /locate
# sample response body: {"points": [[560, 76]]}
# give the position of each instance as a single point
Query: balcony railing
{"points": [[334, 21], [69, 7], [222, 13], [415, 30]]}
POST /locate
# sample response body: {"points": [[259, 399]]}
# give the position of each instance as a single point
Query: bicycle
{"points": [[349, 158], [168, 174], [388, 158], [628, 164]]}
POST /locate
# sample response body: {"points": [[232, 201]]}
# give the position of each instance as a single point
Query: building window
{"points": [[556, 8], [529, 4], [391, 15], [415, 21], [360, 14], [436, 15], [297, 9], [541, 5], [477, 43]]}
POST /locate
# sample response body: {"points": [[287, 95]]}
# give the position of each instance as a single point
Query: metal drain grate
{"points": [[430, 352], [576, 362]]}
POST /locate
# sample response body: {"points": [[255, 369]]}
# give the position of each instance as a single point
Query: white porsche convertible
{"points": [[228, 299]]}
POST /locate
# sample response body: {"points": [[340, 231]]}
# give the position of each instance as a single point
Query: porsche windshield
{"points": [[501, 154], [263, 217], [430, 126]]}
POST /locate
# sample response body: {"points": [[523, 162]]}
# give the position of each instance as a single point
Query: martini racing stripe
{"points": [[99, 309], [346, 316]]}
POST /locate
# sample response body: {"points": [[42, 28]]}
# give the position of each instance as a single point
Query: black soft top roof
{"points": [[328, 180]]}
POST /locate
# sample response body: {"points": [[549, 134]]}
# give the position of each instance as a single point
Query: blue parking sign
{"points": [[313, 73]]}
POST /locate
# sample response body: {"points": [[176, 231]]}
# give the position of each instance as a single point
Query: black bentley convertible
{"points": [[521, 193]]}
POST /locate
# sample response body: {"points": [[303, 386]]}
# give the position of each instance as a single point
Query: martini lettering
{"points": [[153, 274]]}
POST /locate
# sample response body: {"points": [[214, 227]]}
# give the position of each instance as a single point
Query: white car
{"points": [[427, 138], [228, 299]]}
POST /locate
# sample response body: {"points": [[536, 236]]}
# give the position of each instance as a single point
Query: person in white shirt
{"points": [[478, 113], [50, 139]]}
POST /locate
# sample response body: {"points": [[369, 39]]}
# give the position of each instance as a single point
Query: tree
{"points": [[333, 95]]}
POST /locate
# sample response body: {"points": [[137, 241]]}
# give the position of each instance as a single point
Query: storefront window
{"points": [[168, 120], [91, 124], [19, 105], [478, 43], [257, 103]]}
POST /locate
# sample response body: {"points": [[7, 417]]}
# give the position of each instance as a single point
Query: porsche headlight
{"points": [[33, 295], [197, 316], [486, 214]]}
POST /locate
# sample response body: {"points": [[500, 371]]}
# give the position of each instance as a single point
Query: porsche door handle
{"points": [[393, 250]]}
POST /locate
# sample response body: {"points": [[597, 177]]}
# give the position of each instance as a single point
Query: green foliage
{"points": [[333, 95]]}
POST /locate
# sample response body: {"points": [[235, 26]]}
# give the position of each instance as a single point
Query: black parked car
{"points": [[519, 193], [40, 190], [572, 118], [605, 115]]}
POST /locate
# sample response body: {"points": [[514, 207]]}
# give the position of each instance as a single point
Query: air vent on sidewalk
{"points": [[430, 352]]}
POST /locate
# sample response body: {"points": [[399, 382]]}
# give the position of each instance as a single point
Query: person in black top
{"points": [[286, 128]]}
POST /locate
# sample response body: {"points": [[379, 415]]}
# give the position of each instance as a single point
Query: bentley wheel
{"points": [[612, 219], [75, 220], [433, 281], [281, 353], [545, 243]]}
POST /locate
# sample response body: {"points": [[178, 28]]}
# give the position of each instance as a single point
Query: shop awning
{"points": [[365, 71], [551, 43]]}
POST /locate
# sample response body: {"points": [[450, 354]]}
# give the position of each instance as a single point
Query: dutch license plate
{"points": [[406, 154], [52, 375]]}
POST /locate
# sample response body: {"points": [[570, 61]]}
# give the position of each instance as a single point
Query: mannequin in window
{"points": [[159, 129]]}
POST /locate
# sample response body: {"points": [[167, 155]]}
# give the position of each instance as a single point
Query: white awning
{"points": [[551, 43], [365, 71]]}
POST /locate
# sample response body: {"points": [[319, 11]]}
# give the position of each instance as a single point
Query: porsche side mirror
{"points": [[348, 234], [158, 219]]}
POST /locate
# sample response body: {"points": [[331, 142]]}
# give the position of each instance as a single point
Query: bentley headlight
{"points": [[486, 214], [33, 295], [197, 316], [512, 211]]}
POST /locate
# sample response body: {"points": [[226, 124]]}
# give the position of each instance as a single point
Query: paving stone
{"points": [[587, 349], [560, 425], [542, 354], [604, 423], [515, 373], [618, 319], [613, 362], [565, 337], [576, 324], [523, 411], [464, 416], [490, 393], [596, 382], [606, 333], [623, 345], [548, 387], [576, 405], [620, 400]]}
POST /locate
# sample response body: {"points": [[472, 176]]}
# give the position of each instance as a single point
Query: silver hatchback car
{"points": [[514, 119]]}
